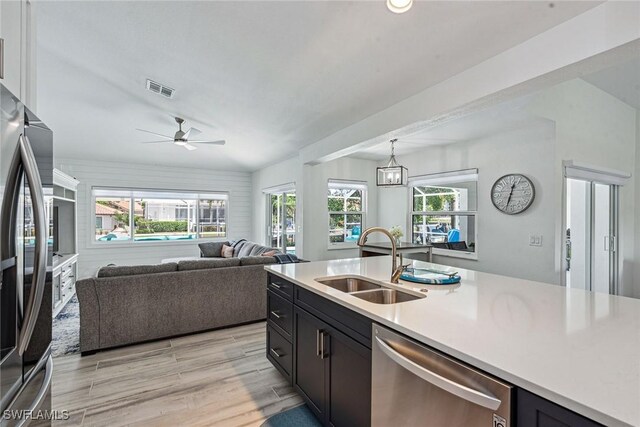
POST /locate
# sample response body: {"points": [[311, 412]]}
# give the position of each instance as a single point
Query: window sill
{"points": [[341, 246], [456, 254], [133, 244]]}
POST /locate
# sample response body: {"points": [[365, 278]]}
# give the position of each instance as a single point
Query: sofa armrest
{"points": [[89, 315]]}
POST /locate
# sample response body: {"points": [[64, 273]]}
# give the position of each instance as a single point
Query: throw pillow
{"points": [[269, 253], [227, 251], [212, 249]]}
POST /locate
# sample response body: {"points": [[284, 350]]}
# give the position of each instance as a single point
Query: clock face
{"points": [[513, 194]]}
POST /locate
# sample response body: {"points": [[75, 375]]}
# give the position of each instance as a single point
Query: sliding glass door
{"points": [[591, 244], [281, 221]]}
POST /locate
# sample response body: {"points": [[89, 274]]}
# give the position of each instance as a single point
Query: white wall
{"points": [[312, 216], [577, 121], [285, 172], [503, 240], [316, 213], [104, 174], [596, 128]]}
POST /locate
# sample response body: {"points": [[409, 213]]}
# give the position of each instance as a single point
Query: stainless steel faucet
{"points": [[396, 271]]}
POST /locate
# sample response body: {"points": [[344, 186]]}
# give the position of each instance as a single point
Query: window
{"points": [[281, 217], [346, 202], [139, 216], [444, 211], [213, 214]]}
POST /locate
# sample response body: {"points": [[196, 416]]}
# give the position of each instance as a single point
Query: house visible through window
{"points": [[444, 210], [131, 215], [346, 203]]}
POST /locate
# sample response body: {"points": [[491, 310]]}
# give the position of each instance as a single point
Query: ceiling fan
{"points": [[181, 138]]}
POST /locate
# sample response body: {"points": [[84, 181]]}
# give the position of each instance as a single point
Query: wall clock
{"points": [[513, 194]]}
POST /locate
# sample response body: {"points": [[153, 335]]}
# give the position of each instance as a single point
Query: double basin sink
{"points": [[367, 290]]}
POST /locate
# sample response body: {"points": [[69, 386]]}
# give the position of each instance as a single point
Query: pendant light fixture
{"points": [[392, 175], [399, 6]]}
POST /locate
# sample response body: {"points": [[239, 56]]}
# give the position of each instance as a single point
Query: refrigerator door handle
{"points": [[464, 392], [40, 253], [47, 362], [8, 212]]}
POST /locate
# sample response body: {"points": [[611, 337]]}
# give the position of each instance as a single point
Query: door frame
{"points": [[283, 191], [595, 175]]}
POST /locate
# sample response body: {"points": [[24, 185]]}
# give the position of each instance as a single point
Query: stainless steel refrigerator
{"points": [[26, 176]]}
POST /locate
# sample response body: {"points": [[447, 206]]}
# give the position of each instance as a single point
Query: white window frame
{"points": [[346, 184], [284, 190], [136, 193], [445, 179]]}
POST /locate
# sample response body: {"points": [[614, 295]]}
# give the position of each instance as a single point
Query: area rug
{"points": [[66, 330], [300, 416]]}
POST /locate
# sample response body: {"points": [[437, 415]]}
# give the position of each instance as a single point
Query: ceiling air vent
{"points": [[156, 87]]}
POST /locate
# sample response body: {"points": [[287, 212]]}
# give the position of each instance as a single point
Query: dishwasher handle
{"points": [[463, 392]]}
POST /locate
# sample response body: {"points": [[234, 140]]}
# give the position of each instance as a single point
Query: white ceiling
{"points": [[621, 81], [269, 77], [501, 118]]}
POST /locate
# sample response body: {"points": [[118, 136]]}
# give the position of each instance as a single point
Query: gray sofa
{"points": [[131, 304]]}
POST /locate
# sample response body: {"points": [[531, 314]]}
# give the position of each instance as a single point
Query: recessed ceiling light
{"points": [[399, 6]]}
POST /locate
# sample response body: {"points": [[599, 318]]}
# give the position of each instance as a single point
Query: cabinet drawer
{"points": [[281, 286], [280, 313], [279, 352], [343, 319]]}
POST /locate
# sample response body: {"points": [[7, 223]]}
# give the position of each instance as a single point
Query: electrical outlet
{"points": [[535, 240]]}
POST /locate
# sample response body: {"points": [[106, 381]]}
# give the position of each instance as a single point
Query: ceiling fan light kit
{"points": [[181, 138]]}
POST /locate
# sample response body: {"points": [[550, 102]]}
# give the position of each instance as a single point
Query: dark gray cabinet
{"points": [[330, 348], [332, 372], [534, 411], [349, 381], [280, 326], [311, 361]]}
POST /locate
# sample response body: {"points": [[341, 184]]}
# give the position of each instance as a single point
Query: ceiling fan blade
{"points": [[170, 138], [220, 142], [154, 142], [192, 132], [190, 147]]}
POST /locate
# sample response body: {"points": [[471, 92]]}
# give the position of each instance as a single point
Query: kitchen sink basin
{"points": [[349, 284], [384, 296]]}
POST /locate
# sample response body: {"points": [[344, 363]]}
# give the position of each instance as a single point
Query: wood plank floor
{"points": [[219, 378]]}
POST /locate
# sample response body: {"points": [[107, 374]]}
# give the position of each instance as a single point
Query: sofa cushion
{"points": [[133, 270], [212, 249], [199, 264], [251, 249], [257, 260]]}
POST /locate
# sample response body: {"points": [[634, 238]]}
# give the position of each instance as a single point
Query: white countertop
{"points": [[576, 348]]}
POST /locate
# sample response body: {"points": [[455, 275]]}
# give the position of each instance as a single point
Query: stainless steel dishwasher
{"points": [[417, 386]]}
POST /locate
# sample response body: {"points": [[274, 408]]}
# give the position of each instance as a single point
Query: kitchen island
{"points": [[577, 349]]}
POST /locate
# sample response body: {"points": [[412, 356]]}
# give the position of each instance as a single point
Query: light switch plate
{"points": [[535, 240]]}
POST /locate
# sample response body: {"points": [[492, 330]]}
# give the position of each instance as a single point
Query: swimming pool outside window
{"points": [[158, 216]]}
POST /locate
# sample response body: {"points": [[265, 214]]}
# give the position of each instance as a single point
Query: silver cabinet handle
{"points": [[464, 392], [40, 253], [318, 342], [276, 315], [275, 285], [322, 335], [275, 353]]}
